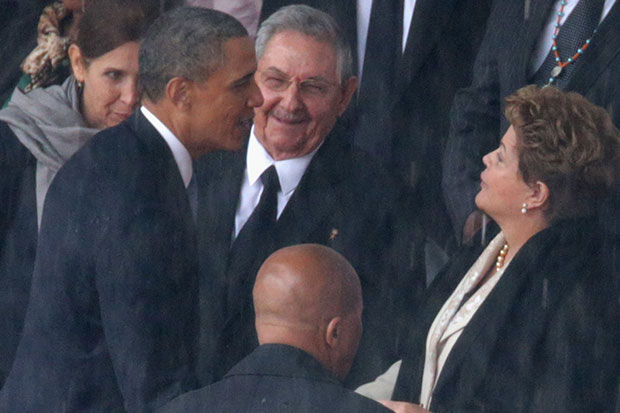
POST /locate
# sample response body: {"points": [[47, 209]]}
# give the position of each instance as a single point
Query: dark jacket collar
{"points": [[282, 360]]}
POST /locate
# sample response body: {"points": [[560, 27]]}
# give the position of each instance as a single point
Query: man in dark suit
{"points": [[326, 193], [513, 53], [112, 318], [412, 58], [308, 303]]}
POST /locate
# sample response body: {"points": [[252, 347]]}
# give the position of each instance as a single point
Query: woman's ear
{"points": [[78, 65], [538, 196]]}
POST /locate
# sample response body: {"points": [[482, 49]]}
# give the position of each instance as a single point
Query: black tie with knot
{"points": [[256, 238]]}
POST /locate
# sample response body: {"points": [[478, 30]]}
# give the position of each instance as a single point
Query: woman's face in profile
{"points": [[109, 84], [502, 189]]}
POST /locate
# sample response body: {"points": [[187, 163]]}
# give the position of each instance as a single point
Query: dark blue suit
{"points": [[275, 378], [111, 319]]}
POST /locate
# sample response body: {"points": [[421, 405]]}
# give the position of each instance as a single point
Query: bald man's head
{"points": [[309, 296]]}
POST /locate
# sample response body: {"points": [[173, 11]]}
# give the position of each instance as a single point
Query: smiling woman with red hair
{"points": [[524, 323]]}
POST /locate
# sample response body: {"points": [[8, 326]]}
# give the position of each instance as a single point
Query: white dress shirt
{"points": [[258, 160], [363, 21], [545, 41], [179, 152]]}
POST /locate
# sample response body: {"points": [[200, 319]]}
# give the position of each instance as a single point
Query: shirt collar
{"points": [[179, 152], [289, 171]]}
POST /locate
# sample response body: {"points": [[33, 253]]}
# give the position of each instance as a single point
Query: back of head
{"points": [[305, 295], [313, 23], [108, 24], [187, 42], [568, 143]]}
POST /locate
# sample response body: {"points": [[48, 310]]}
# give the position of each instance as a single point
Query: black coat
{"points": [[111, 321], [344, 201], [18, 240], [501, 68], [542, 341], [275, 378]]}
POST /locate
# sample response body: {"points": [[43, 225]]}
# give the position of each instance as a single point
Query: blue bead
{"points": [[588, 41], [554, 48], [557, 25], [570, 60], [557, 59], [560, 14], [551, 79], [580, 51], [555, 36], [563, 3]]}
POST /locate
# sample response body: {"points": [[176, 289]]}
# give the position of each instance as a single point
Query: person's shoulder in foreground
{"points": [[308, 319]]}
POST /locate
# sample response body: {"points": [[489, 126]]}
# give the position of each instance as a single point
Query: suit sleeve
{"points": [[475, 125]]}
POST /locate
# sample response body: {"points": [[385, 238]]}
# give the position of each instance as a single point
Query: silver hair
{"points": [[310, 22], [186, 42]]}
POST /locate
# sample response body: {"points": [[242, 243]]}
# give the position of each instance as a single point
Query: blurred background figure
{"points": [[523, 323], [40, 130], [246, 11], [308, 303]]}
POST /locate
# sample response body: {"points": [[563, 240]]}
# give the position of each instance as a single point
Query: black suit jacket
{"points": [[18, 240], [501, 68], [541, 342], [345, 201], [275, 378], [408, 132], [111, 321]]}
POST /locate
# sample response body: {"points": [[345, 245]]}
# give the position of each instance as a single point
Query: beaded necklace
{"points": [[555, 72], [499, 261]]}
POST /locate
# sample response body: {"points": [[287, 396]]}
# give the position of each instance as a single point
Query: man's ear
{"points": [[178, 91], [538, 196], [348, 90], [78, 65], [333, 332]]}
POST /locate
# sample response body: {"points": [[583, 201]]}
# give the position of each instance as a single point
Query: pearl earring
{"points": [[524, 208]]}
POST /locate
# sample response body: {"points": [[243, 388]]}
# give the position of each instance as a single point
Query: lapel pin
{"points": [[333, 234]]}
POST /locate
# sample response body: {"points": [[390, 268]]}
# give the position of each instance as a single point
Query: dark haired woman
{"points": [[41, 129], [528, 323]]}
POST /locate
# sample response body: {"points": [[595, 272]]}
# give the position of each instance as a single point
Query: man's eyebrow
{"points": [[275, 70], [243, 79]]}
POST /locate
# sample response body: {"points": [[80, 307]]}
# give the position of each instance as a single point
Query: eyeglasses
{"points": [[308, 88]]}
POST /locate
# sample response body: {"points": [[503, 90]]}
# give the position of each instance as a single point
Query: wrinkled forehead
{"points": [[300, 56]]}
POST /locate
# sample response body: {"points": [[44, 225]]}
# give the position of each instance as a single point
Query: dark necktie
{"points": [[577, 28], [255, 239], [383, 50]]}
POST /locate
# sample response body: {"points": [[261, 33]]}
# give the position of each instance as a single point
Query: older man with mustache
{"points": [[299, 181]]}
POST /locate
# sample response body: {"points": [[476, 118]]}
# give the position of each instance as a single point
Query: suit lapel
{"points": [[534, 19], [604, 48], [315, 197], [220, 180]]}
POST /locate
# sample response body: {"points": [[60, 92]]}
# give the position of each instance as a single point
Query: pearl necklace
{"points": [[555, 72], [499, 262]]}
